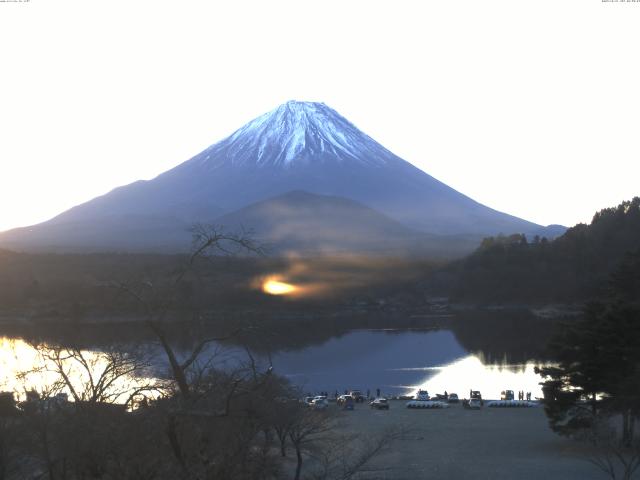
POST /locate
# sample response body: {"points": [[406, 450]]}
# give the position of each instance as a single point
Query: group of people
{"points": [[521, 395]]}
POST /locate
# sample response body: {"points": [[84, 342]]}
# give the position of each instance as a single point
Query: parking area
{"points": [[457, 443]]}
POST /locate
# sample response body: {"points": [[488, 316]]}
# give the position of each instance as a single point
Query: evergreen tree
{"points": [[598, 372]]}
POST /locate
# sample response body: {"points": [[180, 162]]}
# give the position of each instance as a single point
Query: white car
{"points": [[320, 403], [474, 404]]}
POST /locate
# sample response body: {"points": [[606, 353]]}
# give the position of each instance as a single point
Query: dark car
{"points": [[446, 397], [346, 402], [380, 404]]}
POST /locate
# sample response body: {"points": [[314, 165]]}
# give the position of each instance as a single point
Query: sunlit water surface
{"points": [[395, 361], [23, 368], [399, 362]]}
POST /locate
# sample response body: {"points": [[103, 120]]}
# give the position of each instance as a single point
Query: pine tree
{"points": [[598, 372]]}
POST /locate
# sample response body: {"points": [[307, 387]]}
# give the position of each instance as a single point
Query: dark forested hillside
{"points": [[570, 268]]}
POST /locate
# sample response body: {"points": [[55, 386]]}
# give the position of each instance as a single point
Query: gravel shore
{"points": [[455, 443]]}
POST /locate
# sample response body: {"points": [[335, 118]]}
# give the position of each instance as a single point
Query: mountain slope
{"points": [[107, 233], [298, 146], [308, 223]]}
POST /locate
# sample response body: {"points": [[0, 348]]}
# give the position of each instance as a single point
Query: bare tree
{"points": [[331, 454], [157, 302], [283, 420], [208, 240], [91, 434], [307, 429], [10, 436], [38, 422], [345, 456], [116, 374], [614, 456]]}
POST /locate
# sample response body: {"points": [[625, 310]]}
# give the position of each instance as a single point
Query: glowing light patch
{"points": [[276, 287]]}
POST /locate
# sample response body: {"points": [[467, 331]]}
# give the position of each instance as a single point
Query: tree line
{"points": [[570, 268]]}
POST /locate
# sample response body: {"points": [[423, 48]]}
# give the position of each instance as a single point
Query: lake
{"points": [[399, 362], [396, 361]]}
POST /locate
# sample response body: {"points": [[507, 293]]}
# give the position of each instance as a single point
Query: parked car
{"points": [[320, 403], [446, 397], [308, 400], [380, 404], [476, 395], [346, 402], [472, 403], [357, 396]]}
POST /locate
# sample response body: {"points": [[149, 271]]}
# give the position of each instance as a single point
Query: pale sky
{"points": [[530, 107]]}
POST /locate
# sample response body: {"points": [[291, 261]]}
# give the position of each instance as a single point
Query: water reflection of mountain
{"points": [[511, 337], [369, 359], [265, 338]]}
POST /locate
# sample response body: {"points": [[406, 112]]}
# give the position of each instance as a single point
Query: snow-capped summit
{"points": [[300, 146], [296, 132]]}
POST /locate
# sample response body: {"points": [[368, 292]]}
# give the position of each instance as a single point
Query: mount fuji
{"points": [[301, 147]]}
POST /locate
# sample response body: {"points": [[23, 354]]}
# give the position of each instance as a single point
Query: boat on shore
{"points": [[422, 400], [511, 404]]}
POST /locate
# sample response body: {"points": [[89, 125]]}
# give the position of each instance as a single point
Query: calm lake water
{"points": [[400, 362], [395, 361]]}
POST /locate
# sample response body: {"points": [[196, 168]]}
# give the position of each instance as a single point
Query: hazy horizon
{"points": [[503, 102]]}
